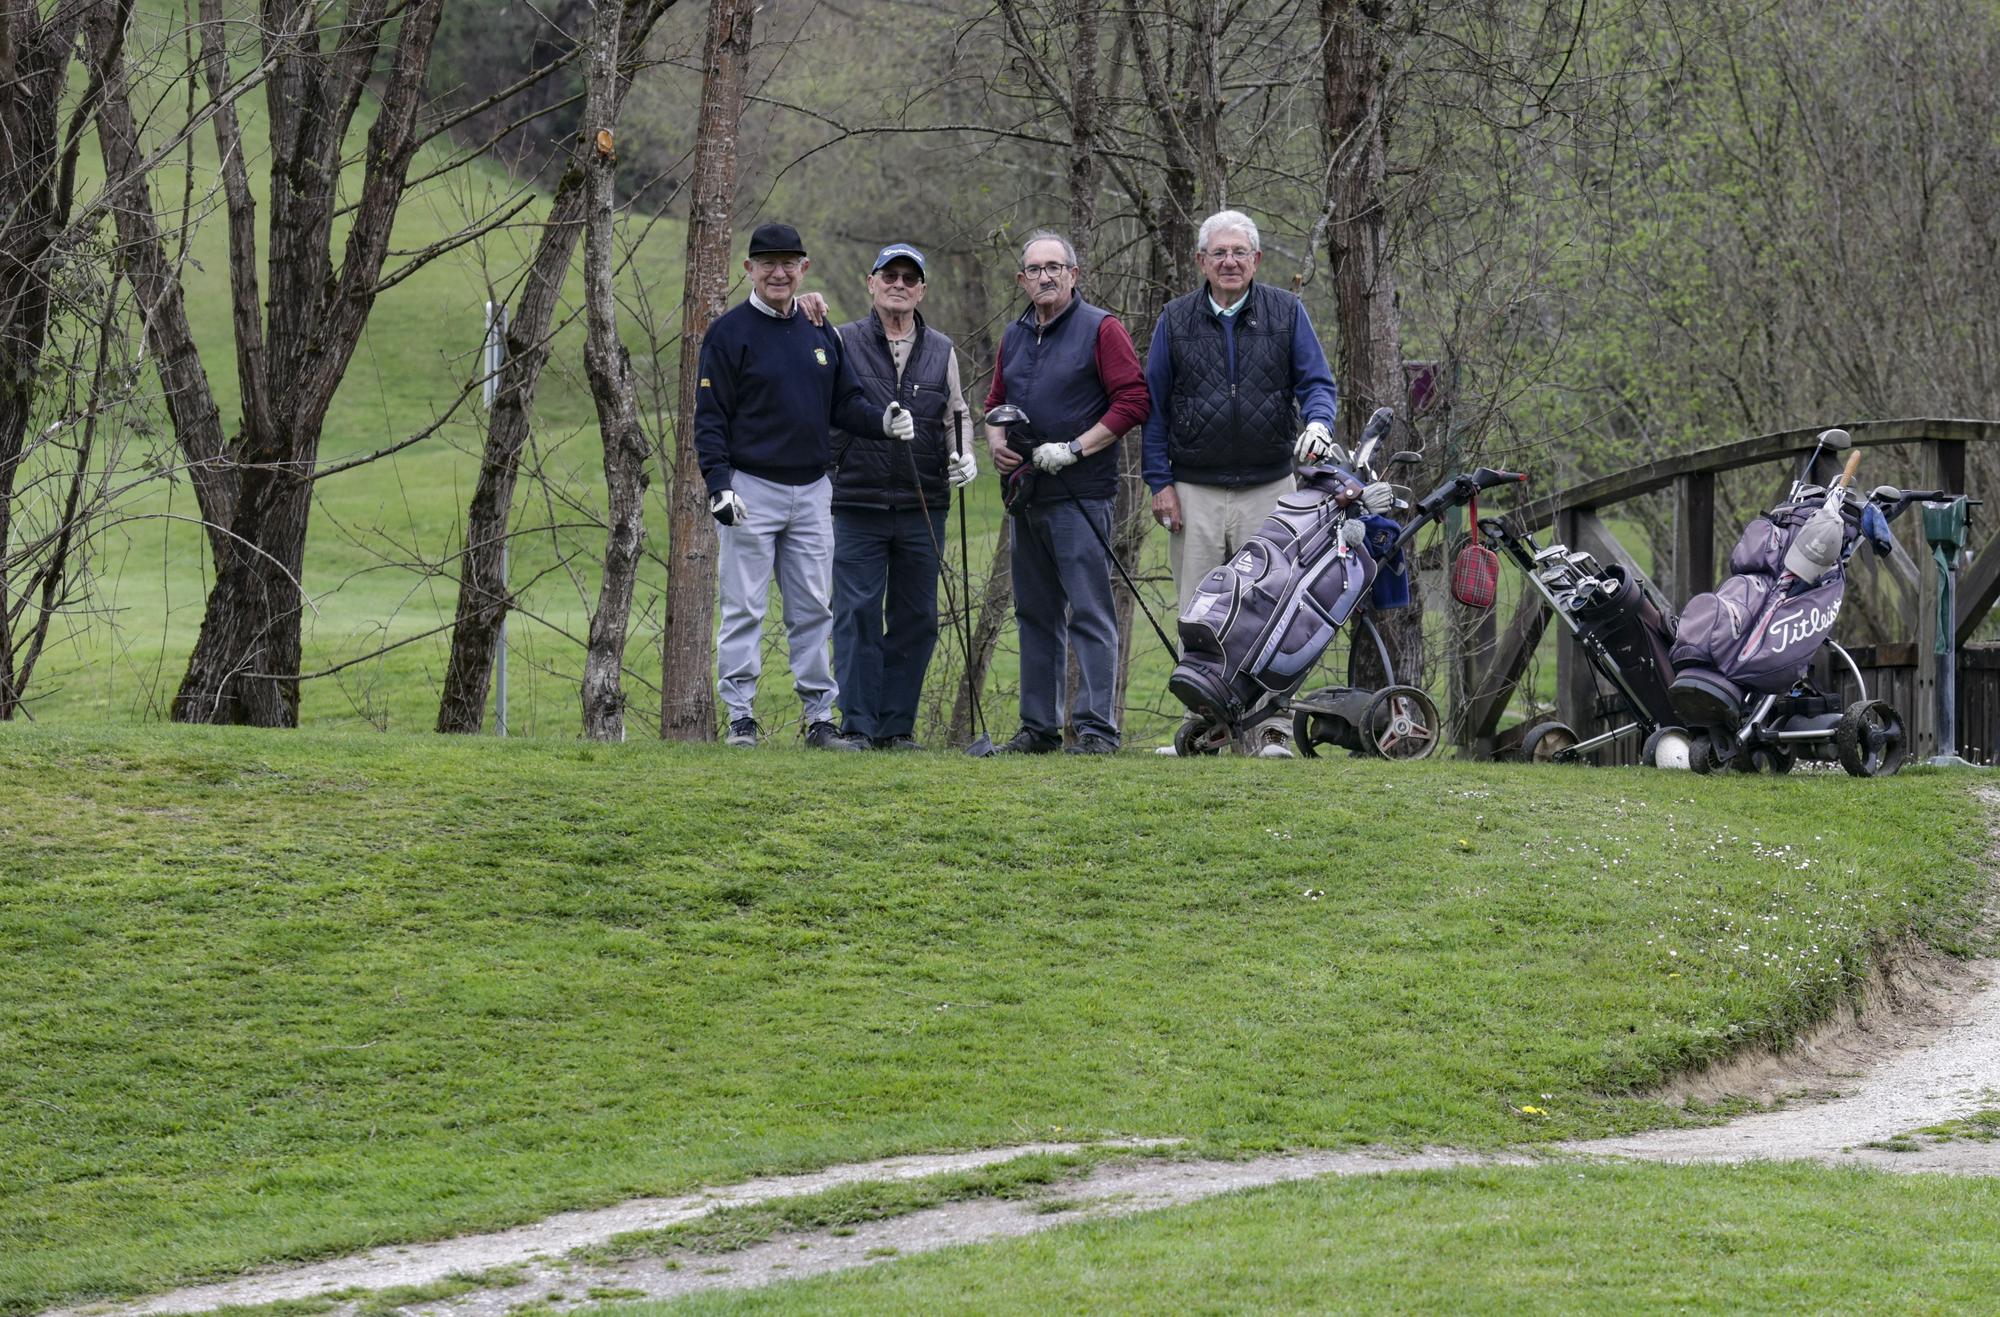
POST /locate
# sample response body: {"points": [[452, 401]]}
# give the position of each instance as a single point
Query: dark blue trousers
{"points": [[885, 614], [1062, 600]]}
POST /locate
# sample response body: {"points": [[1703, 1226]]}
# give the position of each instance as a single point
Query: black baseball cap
{"points": [[775, 239], [898, 251]]}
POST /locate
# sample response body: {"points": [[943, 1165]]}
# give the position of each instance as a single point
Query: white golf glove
{"points": [[1379, 497], [726, 507], [1053, 457], [1315, 445], [897, 422], [961, 469]]}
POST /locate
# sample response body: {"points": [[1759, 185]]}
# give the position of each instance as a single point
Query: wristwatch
{"points": [[1076, 448]]}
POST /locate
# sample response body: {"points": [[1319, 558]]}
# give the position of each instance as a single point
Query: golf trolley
{"points": [[1729, 683], [1259, 623], [1623, 626]]}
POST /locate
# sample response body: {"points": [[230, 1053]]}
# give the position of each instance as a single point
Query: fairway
{"points": [[287, 996]]}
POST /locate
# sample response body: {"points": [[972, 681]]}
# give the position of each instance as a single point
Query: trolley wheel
{"points": [[1668, 747], [1311, 730], [1869, 739], [1701, 754], [1199, 736], [1767, 759], [1543, 741], [1401, 723]]}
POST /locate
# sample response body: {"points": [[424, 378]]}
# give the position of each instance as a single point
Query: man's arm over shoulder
{"points": [[1312, 382], [715, 407], [1154, 464]]}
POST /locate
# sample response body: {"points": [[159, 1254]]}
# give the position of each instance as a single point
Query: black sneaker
{"points": [[742, 732], [1029, 742], [1090, 743], [823, 735], [905, 742]]}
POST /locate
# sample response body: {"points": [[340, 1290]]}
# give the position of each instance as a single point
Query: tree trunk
{"points": [[687, 687], [245, 664], [483, 599], [1370, 350], [611, 387]]}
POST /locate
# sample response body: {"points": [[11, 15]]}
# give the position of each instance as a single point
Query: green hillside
{"points": [[282, 997]]}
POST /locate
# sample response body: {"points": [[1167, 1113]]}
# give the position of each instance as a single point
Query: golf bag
{"points": [[1260, 621], [1757, 632]]}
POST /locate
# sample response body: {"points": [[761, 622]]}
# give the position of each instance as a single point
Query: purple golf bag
{"points": [[1734, 636], [1260, 621]]}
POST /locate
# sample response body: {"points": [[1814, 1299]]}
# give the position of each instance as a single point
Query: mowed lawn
{"points": [[280, 996]]}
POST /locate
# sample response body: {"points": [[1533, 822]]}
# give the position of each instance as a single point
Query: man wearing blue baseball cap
{"points": [[773, 383], [889, 503]]}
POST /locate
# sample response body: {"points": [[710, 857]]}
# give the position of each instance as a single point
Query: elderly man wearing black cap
{"points": [[889, 503], [772, 385]]}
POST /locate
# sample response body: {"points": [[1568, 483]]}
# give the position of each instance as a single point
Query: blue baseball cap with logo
{"points": [[896, 251]]}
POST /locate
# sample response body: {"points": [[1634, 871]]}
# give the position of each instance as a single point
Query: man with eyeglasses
{"points": [[773, 381], [1071, 368], [889, 505], [1234, 369]]}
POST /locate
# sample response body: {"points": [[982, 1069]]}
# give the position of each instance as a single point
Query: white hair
{"points": [[1048, 235], [1229, 221]]}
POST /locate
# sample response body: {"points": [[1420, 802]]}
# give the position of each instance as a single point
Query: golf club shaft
{"points": [[1112, 554]]}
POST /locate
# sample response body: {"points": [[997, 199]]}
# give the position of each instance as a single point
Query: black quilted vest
{"points": [[1240, 431], [873, 470]]}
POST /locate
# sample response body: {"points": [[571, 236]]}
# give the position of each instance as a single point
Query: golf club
{"points": [[982, 744], [1006, 414]]}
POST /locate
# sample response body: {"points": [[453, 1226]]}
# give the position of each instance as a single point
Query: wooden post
{"points": [[1943, 468], [1576, 683], [1694, 537]]}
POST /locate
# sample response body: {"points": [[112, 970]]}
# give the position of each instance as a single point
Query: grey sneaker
{"points": [[1090, 743], [823, 735], [1273, 741], [1026, 742], [742, 732]]}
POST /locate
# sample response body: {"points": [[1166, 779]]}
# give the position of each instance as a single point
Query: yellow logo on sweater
{"points": [[704, 381], [820, 354]]}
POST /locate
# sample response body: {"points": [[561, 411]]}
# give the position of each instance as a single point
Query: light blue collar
{"points": [[1232, 308]]}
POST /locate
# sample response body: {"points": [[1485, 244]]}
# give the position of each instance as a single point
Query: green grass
{"points": [[1596, 1239], [287, 996]]}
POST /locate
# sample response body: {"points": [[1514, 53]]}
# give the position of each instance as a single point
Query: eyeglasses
{"points": [[891, 275], [1051, 270], [1231, 254], [790, 264]]}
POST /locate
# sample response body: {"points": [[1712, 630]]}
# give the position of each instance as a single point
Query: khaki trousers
{"points": [[1215, 521]]}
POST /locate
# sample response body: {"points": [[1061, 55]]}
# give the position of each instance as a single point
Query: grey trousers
{"points": [[1215, 520], [786, 530]]}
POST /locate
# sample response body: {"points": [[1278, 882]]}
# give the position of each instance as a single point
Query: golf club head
{"points": [[1835, 439], [981, 748], [1406, 457], [1006, 414], [1885, 494]]}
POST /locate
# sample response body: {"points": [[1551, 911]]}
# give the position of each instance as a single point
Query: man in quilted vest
{"points": [[889, 504], [1241, 392]]}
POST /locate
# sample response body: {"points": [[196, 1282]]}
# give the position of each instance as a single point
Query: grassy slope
{"points": [[1564, 1239], [283, 996]]}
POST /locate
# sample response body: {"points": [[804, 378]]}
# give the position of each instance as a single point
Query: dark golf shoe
{"points": [[824, 735], [1027, 742]]}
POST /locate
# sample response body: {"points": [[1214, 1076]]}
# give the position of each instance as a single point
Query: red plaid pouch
{"points": [[1475, 571]]}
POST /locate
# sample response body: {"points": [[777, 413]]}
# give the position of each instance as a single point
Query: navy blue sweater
{"points": [[769, 391]]}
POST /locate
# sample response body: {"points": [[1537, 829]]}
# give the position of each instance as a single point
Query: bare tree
{"points": [[611, 387], [687, 691], [483, 599]]}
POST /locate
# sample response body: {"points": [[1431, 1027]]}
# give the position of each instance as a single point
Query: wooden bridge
{"points": [[1484, 676]]}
